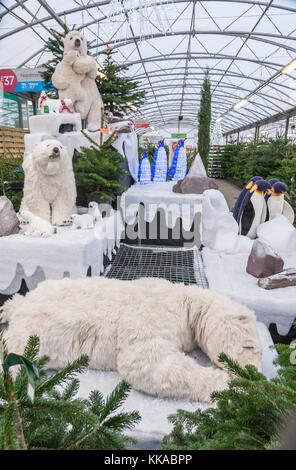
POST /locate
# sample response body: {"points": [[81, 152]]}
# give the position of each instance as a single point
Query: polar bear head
{"points": [[75, 41], [48, 158], [24, 217]]}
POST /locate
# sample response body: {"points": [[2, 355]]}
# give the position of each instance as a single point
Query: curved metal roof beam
{"points": [[188, 107], [213, 69], [264, 106], [8, 10], [246, 2], [225, 85], [201, 55], [243, 34], [106, 2]]}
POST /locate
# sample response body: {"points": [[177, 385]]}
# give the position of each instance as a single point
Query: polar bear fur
{"points": [[140, 328], [67, 81], [79, 74], [49, 187], [35, 226], [83, 221]]}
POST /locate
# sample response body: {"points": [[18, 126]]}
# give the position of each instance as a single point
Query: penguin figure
{"points": [[160, 164], [242, 195], [144, 173], [179, 165], [267, 196], [253, 209], [276, 203]]}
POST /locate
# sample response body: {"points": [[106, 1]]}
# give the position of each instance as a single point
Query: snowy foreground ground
{"points": [[154, 424]]}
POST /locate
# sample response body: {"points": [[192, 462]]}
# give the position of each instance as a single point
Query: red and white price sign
{"points": [[8, 80]]}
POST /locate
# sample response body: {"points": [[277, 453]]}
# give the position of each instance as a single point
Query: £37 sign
{"points": [[8, 80]]}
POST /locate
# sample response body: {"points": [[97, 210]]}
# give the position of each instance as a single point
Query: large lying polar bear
{"points": [[140, 328], [49, 189]]}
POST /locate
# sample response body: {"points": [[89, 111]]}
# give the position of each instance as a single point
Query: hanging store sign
{"points": [[178, 136], [21, 80], [141, 123]]}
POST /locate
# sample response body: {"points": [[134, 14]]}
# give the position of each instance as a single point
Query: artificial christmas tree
{"points": [[98, 170], [120, 93]]}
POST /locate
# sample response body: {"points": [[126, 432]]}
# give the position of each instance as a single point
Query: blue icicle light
{"points": [[144, 173], [160, 164], [179, 165]]}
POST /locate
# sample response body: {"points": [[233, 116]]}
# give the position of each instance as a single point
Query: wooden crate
{"points": [[12, 141]]}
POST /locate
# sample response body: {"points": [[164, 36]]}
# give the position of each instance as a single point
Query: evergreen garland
{"points": [[117, 90], [247, 416], [204, 120], [56, 420]]}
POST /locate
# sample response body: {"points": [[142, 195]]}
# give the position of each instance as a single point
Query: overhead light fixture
{"points": [[101, 73], [240, 103], [219, 119], [132, 106], [288, 68]]}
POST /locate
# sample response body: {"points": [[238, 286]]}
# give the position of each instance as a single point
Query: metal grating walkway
{"points": [[173, 264]]}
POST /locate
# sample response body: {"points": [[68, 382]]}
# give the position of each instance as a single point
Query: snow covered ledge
{"points": [[226, 273], [69, 253]]}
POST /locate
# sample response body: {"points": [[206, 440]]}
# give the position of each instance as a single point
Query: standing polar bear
{"points": [[140, 328], [49, 188], [74, 78]]}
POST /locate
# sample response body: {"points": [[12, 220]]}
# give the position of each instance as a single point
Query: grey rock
{"points": [[263, 260], [9, 223], [194, 185], [286, 278]]}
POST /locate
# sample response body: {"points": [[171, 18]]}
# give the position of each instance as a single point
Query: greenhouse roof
{"points": [[169, 45]]}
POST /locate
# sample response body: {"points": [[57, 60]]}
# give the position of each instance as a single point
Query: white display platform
{"points": [[72, 140], [157, 196], [68, 253], [154, 412], [226, 273]]}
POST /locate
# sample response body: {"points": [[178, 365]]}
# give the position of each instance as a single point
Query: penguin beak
{"points": [[287, 196]]}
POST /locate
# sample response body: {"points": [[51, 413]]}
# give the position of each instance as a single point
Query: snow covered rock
{"points": [[286, 278], [196, 181], [263, 260], [194, 185], [9, 223], [280, 234], [219, 229]]}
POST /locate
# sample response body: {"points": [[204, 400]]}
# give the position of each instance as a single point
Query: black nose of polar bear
{"points": [[56, 150], [77, 42]]}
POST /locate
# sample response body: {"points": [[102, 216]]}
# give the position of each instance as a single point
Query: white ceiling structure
{"points": [[169, 45]]}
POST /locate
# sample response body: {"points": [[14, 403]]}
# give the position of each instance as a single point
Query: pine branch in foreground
{"points": [[247, 416], [56, 419]]}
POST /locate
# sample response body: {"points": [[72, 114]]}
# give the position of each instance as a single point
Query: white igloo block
{"points": [[243, 244], [50, 123], [32, 139], [219, 229], [280, 234]]}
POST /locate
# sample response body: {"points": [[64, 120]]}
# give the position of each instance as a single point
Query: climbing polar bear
{"points": [[49, 188], [140, 328], [76, 80]]}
